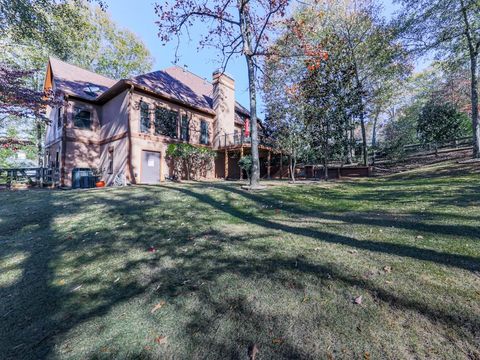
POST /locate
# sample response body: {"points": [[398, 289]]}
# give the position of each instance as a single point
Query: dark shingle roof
{"points": [[174, 82], [73, 80]]}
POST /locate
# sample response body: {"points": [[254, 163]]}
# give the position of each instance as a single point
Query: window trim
{"points": [[203, 137], [187, 127], [144, 106], [76, 111]]}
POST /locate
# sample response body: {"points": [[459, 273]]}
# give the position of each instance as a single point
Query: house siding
{"points": [[159, 143]]}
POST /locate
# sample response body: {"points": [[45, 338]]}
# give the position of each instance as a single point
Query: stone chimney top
{"points": [[224, 106]]}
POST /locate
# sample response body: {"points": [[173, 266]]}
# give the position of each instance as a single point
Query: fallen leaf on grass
{"points": [[161, 339], [252, 352], [387, 269], [277, 341], [366, 356], [358, 300], [158, 306], [353, 251], [419, 237]]}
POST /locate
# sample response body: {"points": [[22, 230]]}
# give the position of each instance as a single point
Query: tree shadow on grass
{"points": [[460, 261], [41, 312]]}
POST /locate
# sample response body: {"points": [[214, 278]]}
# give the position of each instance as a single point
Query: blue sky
{"points": [[139, 17]]}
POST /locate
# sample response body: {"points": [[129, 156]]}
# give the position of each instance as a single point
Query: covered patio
{"points": [[272, 162]]}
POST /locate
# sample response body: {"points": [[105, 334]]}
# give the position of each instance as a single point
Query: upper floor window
{"points": [[184, 130], [203, 132], [166, 122], [144, 118], [82, 118], [59, 117]]}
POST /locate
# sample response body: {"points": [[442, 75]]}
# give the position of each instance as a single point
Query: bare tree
{"points": [[235, 28]]}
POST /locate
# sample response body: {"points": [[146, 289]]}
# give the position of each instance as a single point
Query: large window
{"points": [[144, 118], [166, 122], [203, 132], [184, 130], [82, 118]]}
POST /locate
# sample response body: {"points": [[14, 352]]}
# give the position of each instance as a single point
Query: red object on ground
{"points": [[151, 249], [247, 128], [100, 183]]}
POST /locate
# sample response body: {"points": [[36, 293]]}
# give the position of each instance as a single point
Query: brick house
{"points": [[123, 127]]}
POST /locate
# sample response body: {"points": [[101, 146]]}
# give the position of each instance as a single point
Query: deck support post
{"points": [[241, 156], [226, 164], [269, 159]]}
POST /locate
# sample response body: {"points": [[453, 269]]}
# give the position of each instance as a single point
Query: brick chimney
{"points": [[224, 107]]}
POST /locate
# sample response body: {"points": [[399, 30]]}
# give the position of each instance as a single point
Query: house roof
{"points": [[174, 83], [74, 80]]}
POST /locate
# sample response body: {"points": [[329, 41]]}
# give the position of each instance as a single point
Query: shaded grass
{"points": [[279, 268]]}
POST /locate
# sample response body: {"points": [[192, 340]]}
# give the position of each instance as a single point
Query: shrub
{"points": [[246, 164], [189, 160]]}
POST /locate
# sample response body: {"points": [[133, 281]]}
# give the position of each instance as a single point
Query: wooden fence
{"points": [[28, 177]]}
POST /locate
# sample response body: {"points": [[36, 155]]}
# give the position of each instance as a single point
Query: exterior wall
{"points": [[114, 119], [82, 146], [119, 150], [90, 148], [114, 137], [52, 132], [159, 143]]}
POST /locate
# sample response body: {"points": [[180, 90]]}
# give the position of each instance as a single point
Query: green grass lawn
{"points": [[278, 268]]}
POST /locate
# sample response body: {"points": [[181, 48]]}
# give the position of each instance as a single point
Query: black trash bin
{"points": [[83, 178]]}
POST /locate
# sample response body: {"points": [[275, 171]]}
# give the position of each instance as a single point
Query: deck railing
{"points": [[30, 176], [237, 139]]}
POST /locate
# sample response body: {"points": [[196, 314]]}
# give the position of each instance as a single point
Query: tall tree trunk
{"points": [[374, 136], [255, 177], [473, 48], [474, 100], [374, 130], [246, 32], [326, 149], [293, 164], [364, 138]]}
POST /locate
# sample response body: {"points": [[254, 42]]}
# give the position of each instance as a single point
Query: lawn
{"points": [[205, 270]]}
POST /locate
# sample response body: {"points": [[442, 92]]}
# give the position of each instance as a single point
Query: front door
{"points": [[150, 167]]}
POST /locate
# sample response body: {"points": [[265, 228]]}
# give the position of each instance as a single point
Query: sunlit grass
{"points": [[82, 271]]}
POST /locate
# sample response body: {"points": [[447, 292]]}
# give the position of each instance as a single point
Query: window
{"points": [[166, 122], [59, 117], [110, 161], [236, 137], [203, 132], [144, 118], [82, 118], [184, 130]]}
